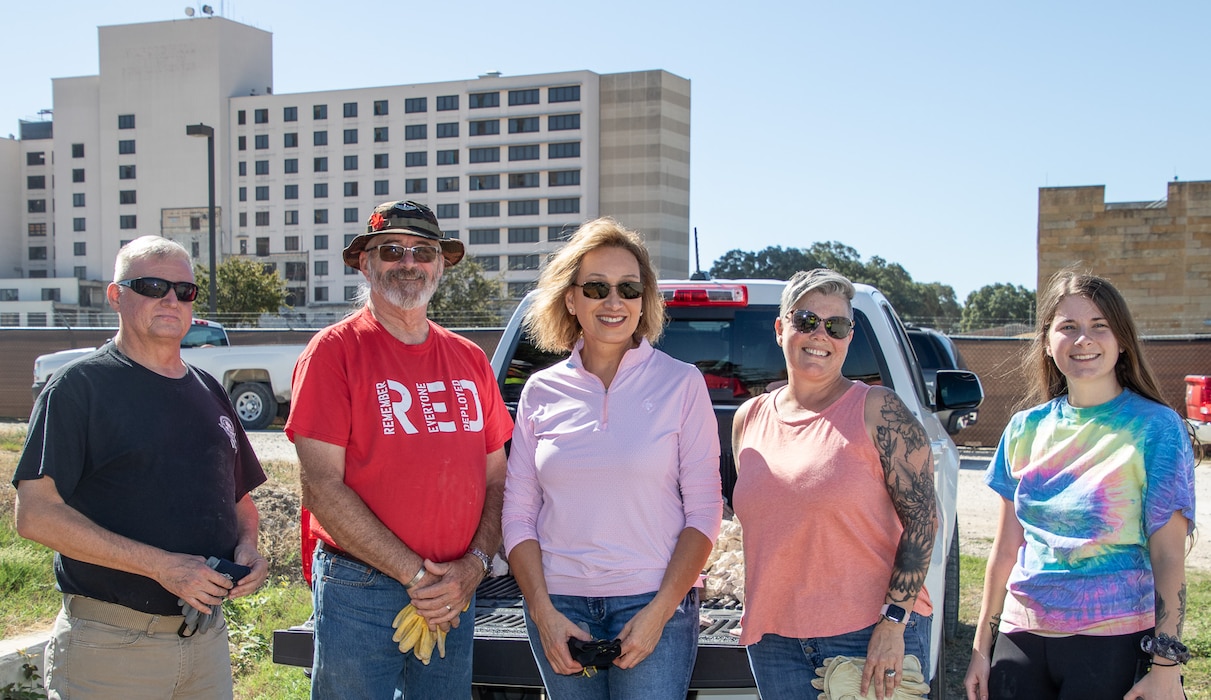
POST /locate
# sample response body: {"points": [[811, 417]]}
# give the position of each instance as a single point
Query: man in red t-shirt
{"points": [[400, 431]]}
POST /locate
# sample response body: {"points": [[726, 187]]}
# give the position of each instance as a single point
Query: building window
{"points": [[319, 112], [524, 235], [80, 272], [38, 229], [564, 150], [50, 294], [523, 97], [523, 125], [321, 217], [243, 222], [242, 143], [483, 236], [350, 291], [563, 122], [77, 175], [290, 243], [484, 155], [126, 172], [77, 150], [523, 207], [195, 224], [290, 165], [319, 190], [447, 157], [570, 93], [569, 205], [382, 187], [446, 103], [262, 218], [485, 127], [481, 100], [380, 108], [414, 159], [320, 165], [79, 248], [447, 211], [77, 224], [489, 263], [380, 134], [241, 118], [483, 182], [290, 139], [563, 178], [260, 116], [517, 290], [262, 167], [243, 194], [261, 141], [483, 209], [417, 185], [243, 168], [37, 252], [292, 219], [126, 121], [351, 189], [290, 114], [321, 242], [35, 182], [321, 294], [415, 104], [381, 160], [290, 192], [126, 197], [350, 162], [128, 221], [524, 152], [36, 206], [523, 262], [262, 193], [350, 136], [350, 216], [447, 130], [522, 180], [319, 138], [262, 246], [77, 199], [416, 132], [350, 109], [35, 158], [126, 147], [8, 294], [447, 184]]}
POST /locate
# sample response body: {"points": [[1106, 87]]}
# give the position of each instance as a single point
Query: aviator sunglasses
{"points": [[601, 290], [805, 321], [393, 252], [157, 288]]}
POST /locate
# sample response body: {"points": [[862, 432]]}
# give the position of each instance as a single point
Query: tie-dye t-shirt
{"points": [[1090, 485]]}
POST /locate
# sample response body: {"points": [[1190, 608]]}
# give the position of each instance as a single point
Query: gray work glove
{"points": [[198, 622], [841, 679]]}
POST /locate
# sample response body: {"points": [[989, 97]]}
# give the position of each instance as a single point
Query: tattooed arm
{"points": [[1167, 550], [1005, 546], [907, 462]]}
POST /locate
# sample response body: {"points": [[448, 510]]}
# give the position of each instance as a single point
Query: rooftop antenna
{"points": [[208, 10], [189, 12], [698, 273]]}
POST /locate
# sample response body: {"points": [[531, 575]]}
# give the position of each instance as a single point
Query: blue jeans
{"points": [[354, 654], [664, 674], [784, 667]]}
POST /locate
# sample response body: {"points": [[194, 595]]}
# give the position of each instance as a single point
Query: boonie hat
{"points": [[403, 217]]}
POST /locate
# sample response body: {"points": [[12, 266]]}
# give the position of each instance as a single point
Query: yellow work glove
{"points": [[842, 680], [412, 633]]}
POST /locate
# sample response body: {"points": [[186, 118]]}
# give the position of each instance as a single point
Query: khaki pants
{"points": [[88, 659]]}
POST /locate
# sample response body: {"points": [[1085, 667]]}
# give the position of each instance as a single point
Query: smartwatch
{"points": [[894, 613], [483, 559]]}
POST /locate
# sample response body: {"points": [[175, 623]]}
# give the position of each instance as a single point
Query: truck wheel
{"points": [[254, 404], [950, 603]]}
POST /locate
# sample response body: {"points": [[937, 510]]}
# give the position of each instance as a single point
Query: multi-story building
{"points": [[510, 164]]}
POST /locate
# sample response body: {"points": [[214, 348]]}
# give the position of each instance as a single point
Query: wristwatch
{"points": [[483, 559], [894, 613]]}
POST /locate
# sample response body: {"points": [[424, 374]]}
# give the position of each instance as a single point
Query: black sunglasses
{"points": [[601, 290], [157, 288], [805, 321], [392, 252]]}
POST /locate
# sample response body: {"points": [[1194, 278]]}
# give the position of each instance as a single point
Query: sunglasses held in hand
{"points": [[804, 321], [392, 252], [601, 290], [157, 288]]}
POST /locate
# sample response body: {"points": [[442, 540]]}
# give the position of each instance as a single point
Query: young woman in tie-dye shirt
{"points": [[1098, 489]]}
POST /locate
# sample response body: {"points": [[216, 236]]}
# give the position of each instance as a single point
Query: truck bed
{"points": [[502, 651]]}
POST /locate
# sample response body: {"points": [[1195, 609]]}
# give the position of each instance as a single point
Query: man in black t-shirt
{"points": [[136, 471]]}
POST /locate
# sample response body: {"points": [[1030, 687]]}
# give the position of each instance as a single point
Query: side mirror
{"points": [[957, 389]]}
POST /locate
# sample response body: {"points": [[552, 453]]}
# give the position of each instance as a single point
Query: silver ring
{"points": [[449, 608], [890, 673]]}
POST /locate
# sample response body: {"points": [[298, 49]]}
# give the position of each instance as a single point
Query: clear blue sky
{"points": [[918, 132]]}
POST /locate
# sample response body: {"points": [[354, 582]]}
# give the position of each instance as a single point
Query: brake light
{"points": [[1198, 397], [705, 295]]}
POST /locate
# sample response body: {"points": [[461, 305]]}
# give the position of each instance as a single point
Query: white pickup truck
{"points": [[256, 377]]}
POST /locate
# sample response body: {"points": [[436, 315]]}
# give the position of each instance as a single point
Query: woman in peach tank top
{"points": [[836, 495]]}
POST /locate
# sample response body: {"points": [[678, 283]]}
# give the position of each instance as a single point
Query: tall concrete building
{"points": [[510, 164], [1158, 254]]}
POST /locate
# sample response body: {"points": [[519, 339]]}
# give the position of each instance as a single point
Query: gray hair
{"points": [[822, 280], [148, 248]]}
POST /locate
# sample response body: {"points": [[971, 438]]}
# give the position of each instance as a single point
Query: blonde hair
{"points": [[822, 280], [547, 321], [148, 248]]}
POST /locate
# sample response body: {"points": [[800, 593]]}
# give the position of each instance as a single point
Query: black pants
{"points": [[1029, 667]]}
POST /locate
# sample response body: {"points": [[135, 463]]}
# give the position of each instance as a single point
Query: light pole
{"points": [[208, 132]]}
